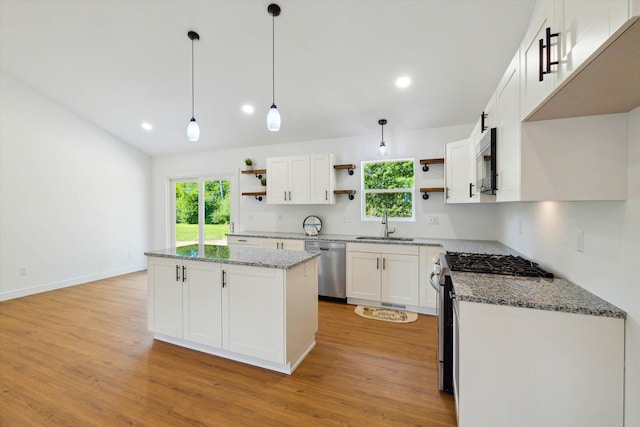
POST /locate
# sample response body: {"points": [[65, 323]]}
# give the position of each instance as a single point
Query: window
{"points": [[201, 211], [388, 185]]}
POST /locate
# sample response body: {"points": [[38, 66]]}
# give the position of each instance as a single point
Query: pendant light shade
{"points": [[193, 130], [383, 150], [273, 118]]}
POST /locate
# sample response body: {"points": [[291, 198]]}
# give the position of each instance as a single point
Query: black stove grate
{"points": [[495, 264]]}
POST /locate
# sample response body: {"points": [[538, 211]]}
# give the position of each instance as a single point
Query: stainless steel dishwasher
{"points": [[332, 279]]}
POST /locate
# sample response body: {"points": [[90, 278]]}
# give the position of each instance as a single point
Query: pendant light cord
{"points": [[273, 59], [192, 84]]}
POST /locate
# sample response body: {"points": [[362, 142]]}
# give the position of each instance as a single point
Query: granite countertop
{"points": [[241, 255], [454, 245], [531, 292]]}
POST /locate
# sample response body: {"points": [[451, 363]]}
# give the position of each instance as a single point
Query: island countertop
{"points": [[241, 255]]}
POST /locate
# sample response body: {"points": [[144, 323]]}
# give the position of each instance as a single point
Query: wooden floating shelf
{"points": [[257, 194], [349, 167], [426, 162], [257, 172], [350, 193], [426, 190]]}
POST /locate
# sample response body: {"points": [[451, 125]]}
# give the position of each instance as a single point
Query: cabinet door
{"points": [[277, 180], [244, 241], [253, 312], [167, 296], [292, 244], [271, 243], [584, 26], [508, 137], [322, 179], [458, 171], [400, 279], [299, 180], [202, 303], [535, 91], [363, 275]]}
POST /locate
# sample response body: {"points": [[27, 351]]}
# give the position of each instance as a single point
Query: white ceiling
{"points": [[119, 63]]}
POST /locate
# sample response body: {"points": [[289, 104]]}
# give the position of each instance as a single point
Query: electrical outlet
{"points": [[345, 218], [432, 219], [22, 270], [580, 241]]}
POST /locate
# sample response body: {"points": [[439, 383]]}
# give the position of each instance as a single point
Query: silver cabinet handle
{"points": [[242, 240]]}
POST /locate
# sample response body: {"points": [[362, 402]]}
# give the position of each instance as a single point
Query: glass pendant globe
{"points": [[383, 151], [193, 131], [273, 119]]}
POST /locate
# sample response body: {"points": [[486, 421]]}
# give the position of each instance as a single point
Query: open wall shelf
{"points": [[257, 172], [426, 190], [257, 194], [350, 168], [349, 193], [426, 162]]}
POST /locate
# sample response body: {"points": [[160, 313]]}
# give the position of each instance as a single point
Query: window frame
{"points": [[364, 192]]}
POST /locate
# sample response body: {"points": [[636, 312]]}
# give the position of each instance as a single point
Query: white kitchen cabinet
{"points": [[508, 133], [322, 179], [460, 175], [383, 273], [584, 26], [253, 312], [529, 367], [244, 241], [427, 296], [261, 316], [289, 180], [186, 300], [536, 87], [288, 244]]}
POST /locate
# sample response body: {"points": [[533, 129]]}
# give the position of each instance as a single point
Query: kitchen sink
{"points": [[397, 239]]}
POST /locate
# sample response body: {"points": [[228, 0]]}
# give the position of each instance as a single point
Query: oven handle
{"points": [[435, 286]]}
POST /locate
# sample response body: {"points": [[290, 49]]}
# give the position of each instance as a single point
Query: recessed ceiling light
{"points": [[147, 126], [403, 81], [248, 108]]}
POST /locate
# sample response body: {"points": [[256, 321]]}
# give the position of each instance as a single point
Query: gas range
{"points": [[494, 264]]}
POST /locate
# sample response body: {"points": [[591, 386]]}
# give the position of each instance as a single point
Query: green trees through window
{"points": [[388, 185]]}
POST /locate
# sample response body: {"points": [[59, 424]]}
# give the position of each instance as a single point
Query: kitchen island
{"points": [[252, 305]]}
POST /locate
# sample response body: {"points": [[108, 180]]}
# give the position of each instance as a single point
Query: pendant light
{"points": [[273, 118], [193, 130], [383, 150]]}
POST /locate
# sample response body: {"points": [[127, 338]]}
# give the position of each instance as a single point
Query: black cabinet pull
{"points": [[483, 126], [177, 273], [471, 189], [544, 65], [377, 263], [224, 278], [384, 264], [184, 273]]}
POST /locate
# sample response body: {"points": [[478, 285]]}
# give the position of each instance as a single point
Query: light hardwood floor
{"points": [[82, 356]]}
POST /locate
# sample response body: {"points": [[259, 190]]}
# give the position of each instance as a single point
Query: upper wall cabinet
{"points": [[301, 179], [579, 58], [459, 172]]}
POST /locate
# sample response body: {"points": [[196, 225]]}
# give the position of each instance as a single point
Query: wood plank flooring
{"points": [[82, 356]]}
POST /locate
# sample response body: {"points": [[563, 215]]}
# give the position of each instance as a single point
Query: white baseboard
{"points": [[45, 287]]}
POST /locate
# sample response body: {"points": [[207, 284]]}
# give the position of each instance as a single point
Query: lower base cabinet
{"points": [[530, 368], [262, 316]]}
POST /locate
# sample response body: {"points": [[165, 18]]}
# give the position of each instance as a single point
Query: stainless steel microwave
{"points": [[486, 161]]}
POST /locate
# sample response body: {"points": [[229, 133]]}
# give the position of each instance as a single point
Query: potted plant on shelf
{"points": [[263, 182], [249, 163]]}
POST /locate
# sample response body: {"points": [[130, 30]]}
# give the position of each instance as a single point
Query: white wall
{"points": [[454, 221], [609, 265], [74, 199]]}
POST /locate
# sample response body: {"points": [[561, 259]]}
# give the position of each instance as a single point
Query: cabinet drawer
{"points": [[244, 241], [383, 248]]}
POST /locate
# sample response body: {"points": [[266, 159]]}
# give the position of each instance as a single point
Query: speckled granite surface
{"points": [[256, 257], [529, 292], [478, 246]]}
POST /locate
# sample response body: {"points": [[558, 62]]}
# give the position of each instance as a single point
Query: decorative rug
{"points": [[386, 314]]}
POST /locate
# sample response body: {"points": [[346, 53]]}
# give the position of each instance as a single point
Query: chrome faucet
{"points": [[385, 221]]}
